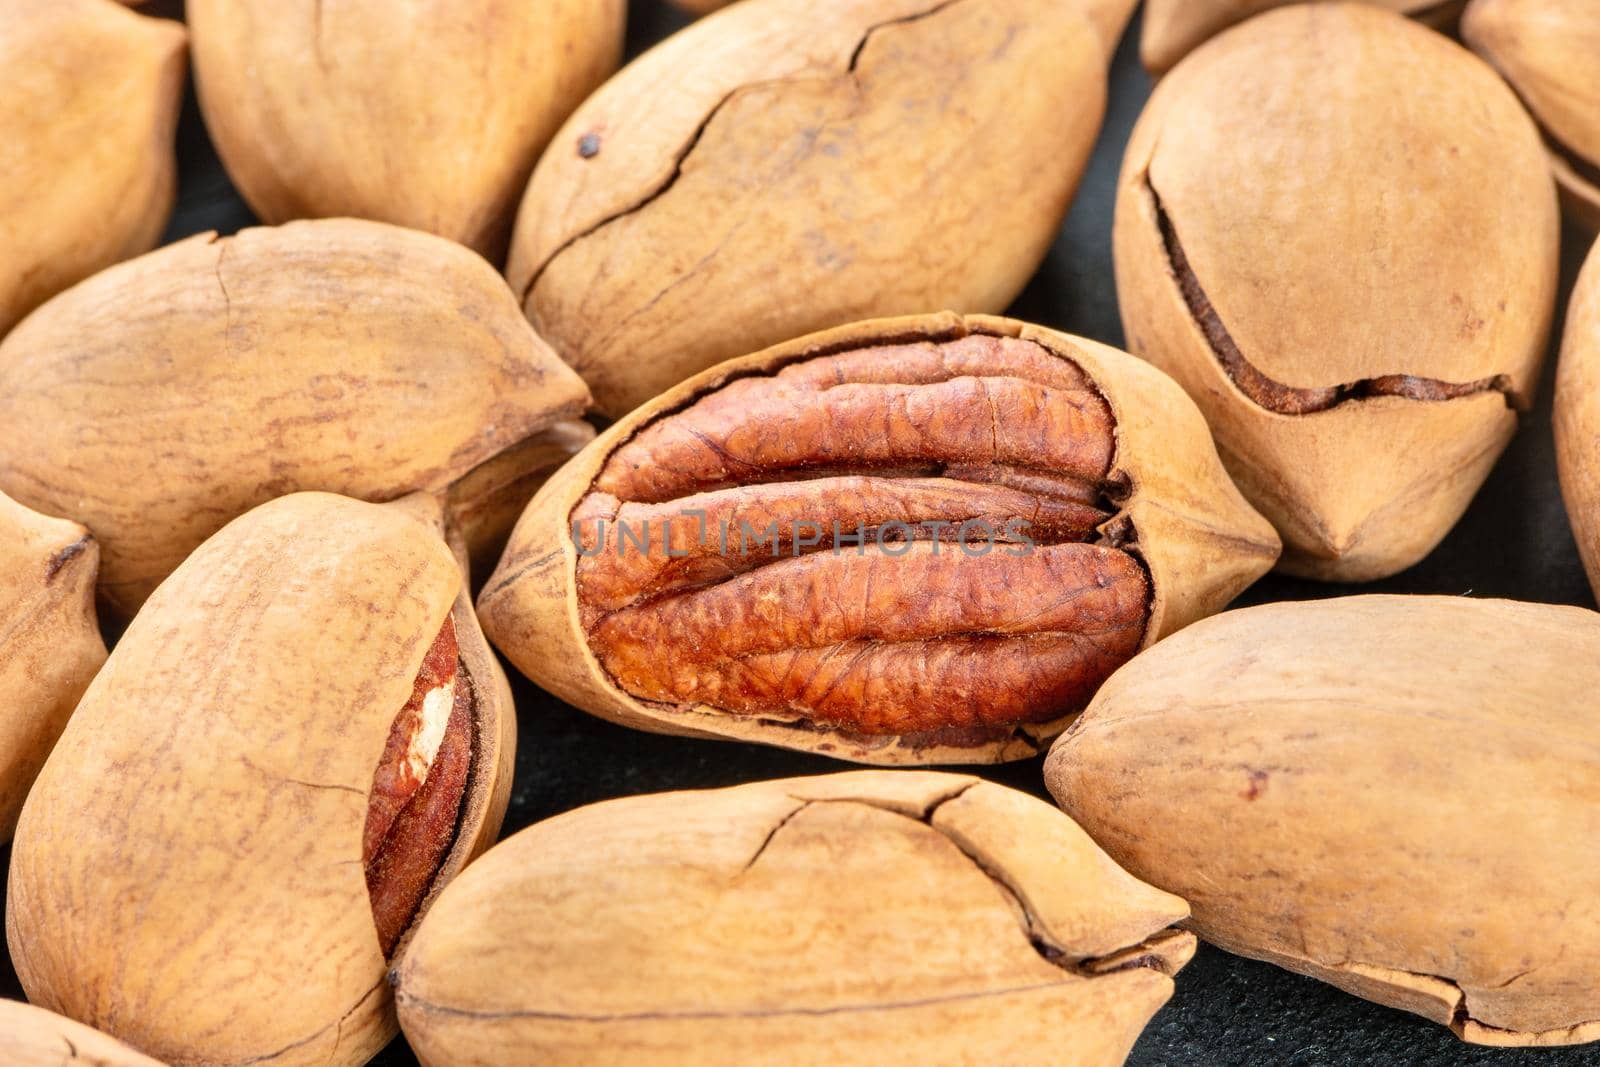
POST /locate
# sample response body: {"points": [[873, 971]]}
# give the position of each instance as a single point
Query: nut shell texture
{"points": [[88, 174], [786, 166], [1398, 795], [187, 871], [1359, 324], [33, 1037], [161, 398], [732, 927], [50, 644], [426, 114], [1173, 28], [1577, 416], [1546, 49], [905, 648]]}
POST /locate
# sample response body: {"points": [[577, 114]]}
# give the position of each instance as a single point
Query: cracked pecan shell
{"points": [[92, 93], [428, 114], [1397, 795], [1174, 28], [908, 540], [1547, 50], [1360, 324], [880, 157], [50, 644], [232, 783], [167, 395], [730, 926], [33, 1037]]}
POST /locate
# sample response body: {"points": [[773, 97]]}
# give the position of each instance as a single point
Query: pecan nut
{"points": [[1546, 49], [300, 739], [428, 115], [901, 541], [50, 646], [33, 1037], [1577, 415], [1174, 28], [715, 927], [1361, 366], [1397, 795], [883, 157], [92, 99], [167, 395]]}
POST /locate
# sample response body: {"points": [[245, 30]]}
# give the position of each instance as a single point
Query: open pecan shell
{"points": [[214, 791], [911, 646]]}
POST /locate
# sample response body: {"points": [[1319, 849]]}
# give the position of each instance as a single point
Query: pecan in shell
{"points": [[908, 540]]}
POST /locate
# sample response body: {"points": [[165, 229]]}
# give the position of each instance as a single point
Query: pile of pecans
{"points": [[684, 388]]}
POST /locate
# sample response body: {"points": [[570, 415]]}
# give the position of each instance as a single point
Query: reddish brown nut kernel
{"points": [[919, 444], [417, 789], [902, 541]]}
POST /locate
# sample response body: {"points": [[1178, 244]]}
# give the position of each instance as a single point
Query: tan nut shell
{"points": [[88, 173], [187, 873], [163, 397], [33, 1037], [1549, 50], [861, 918], [1174, 28], [428, 114], [1334, 257], [50, 644], [1577, 416], [1398, 795], [789, 165], [1200, 541]]}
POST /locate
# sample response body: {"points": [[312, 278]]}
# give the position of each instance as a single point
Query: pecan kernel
{"points": [[896, 540], [418, 788]]}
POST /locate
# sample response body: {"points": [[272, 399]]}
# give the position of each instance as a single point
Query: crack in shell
{"points": [[1278, 397]]}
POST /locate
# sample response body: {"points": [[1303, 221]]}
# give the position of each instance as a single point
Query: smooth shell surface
{"points": [[88, 173], [1274, 246], [1176, 510], [1397, 795], [428, 114], [1547, 50], [187, 871], [50, 644], [33, 1037], [857, 918], [1577, 416], [1173, 28], [165, 396], [785, 166]]}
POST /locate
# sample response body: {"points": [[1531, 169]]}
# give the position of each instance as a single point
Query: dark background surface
{"points": [[1513, 542]]}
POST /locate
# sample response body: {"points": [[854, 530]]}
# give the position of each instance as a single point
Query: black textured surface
{"points": [[1513, 542]]}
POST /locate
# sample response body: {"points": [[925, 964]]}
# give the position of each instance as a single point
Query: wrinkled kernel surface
{"points": [[690, 594], [417, 789]]}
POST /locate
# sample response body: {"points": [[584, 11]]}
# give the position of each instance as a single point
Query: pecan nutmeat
{"points": [[418, 788], [934, 558], [900, 541]]}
